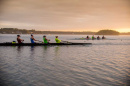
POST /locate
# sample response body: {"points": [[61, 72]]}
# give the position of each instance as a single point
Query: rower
{"points": [[45, 39], [103, 37], [98, 38], [87, 37], [32, 39], [19, 40], [93, 37], [57, 40]]}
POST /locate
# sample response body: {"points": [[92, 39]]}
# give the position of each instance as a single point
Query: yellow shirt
{"points": [[57, 40]]}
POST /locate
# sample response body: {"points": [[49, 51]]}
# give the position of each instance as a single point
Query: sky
{"points": [[66, 15]]}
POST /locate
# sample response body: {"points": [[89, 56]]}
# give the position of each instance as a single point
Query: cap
{"points": [[31, 34], [44, 36]]}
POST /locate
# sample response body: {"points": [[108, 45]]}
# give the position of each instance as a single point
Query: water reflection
{"points": [[32, 53], [65, 65], [19, 48], [57, 48], [45, 49], [32, 50], [19, 51]]}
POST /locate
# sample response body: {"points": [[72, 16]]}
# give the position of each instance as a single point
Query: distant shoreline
{"points": [[70, 34], [33, 31]]}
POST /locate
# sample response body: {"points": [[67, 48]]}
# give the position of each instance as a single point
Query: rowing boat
{"points": [[87, 39], [41, 44]]}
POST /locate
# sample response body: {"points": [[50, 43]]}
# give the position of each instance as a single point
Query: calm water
{"points": [[104, 63]]}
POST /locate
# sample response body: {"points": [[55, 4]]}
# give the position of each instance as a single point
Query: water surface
{"points": [[104, 63]]}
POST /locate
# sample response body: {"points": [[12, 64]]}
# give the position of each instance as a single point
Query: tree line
{"points": [[33, 31]]}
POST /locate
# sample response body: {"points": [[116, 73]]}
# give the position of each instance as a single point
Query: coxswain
{"points": [[45, 39], [32, 39], [57, 40], [19, 40]]}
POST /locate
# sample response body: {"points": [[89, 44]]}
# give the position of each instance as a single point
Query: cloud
{"points": [[65, 14]]}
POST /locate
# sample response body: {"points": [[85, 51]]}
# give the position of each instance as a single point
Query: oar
{"points": [[40, 41], [65, 41]]}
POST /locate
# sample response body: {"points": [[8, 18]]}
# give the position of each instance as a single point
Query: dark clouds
{"points": [[65, 14]]}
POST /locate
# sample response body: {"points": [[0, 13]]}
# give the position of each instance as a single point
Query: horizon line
{"points": [[71, 30]]}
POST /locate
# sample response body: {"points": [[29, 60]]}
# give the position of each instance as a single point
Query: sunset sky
{"points": [[66, 15]]}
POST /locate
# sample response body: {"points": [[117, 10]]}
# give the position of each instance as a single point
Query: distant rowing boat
{"points": [[41, 44], [87, 39]]}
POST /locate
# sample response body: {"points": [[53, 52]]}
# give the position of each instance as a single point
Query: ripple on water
{"points": [[95, 65]]}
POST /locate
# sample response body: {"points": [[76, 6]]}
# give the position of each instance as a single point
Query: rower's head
{"points": [[56, 36], [18, 35], [31, 35], [44, 36]]}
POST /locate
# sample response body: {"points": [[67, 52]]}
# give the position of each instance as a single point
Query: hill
{"points": [[107, 32]]}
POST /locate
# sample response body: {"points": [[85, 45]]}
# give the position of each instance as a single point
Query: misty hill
{"points": [[107, 32], [33, 31]]}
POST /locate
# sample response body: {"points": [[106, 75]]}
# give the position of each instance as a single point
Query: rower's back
{"points": [[31, 39], [44, 39], [18, 39], [57, 40]]}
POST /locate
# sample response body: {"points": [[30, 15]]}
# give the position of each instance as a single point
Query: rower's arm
{"points": [[21, 40], [47, 39], [34, 39]]}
